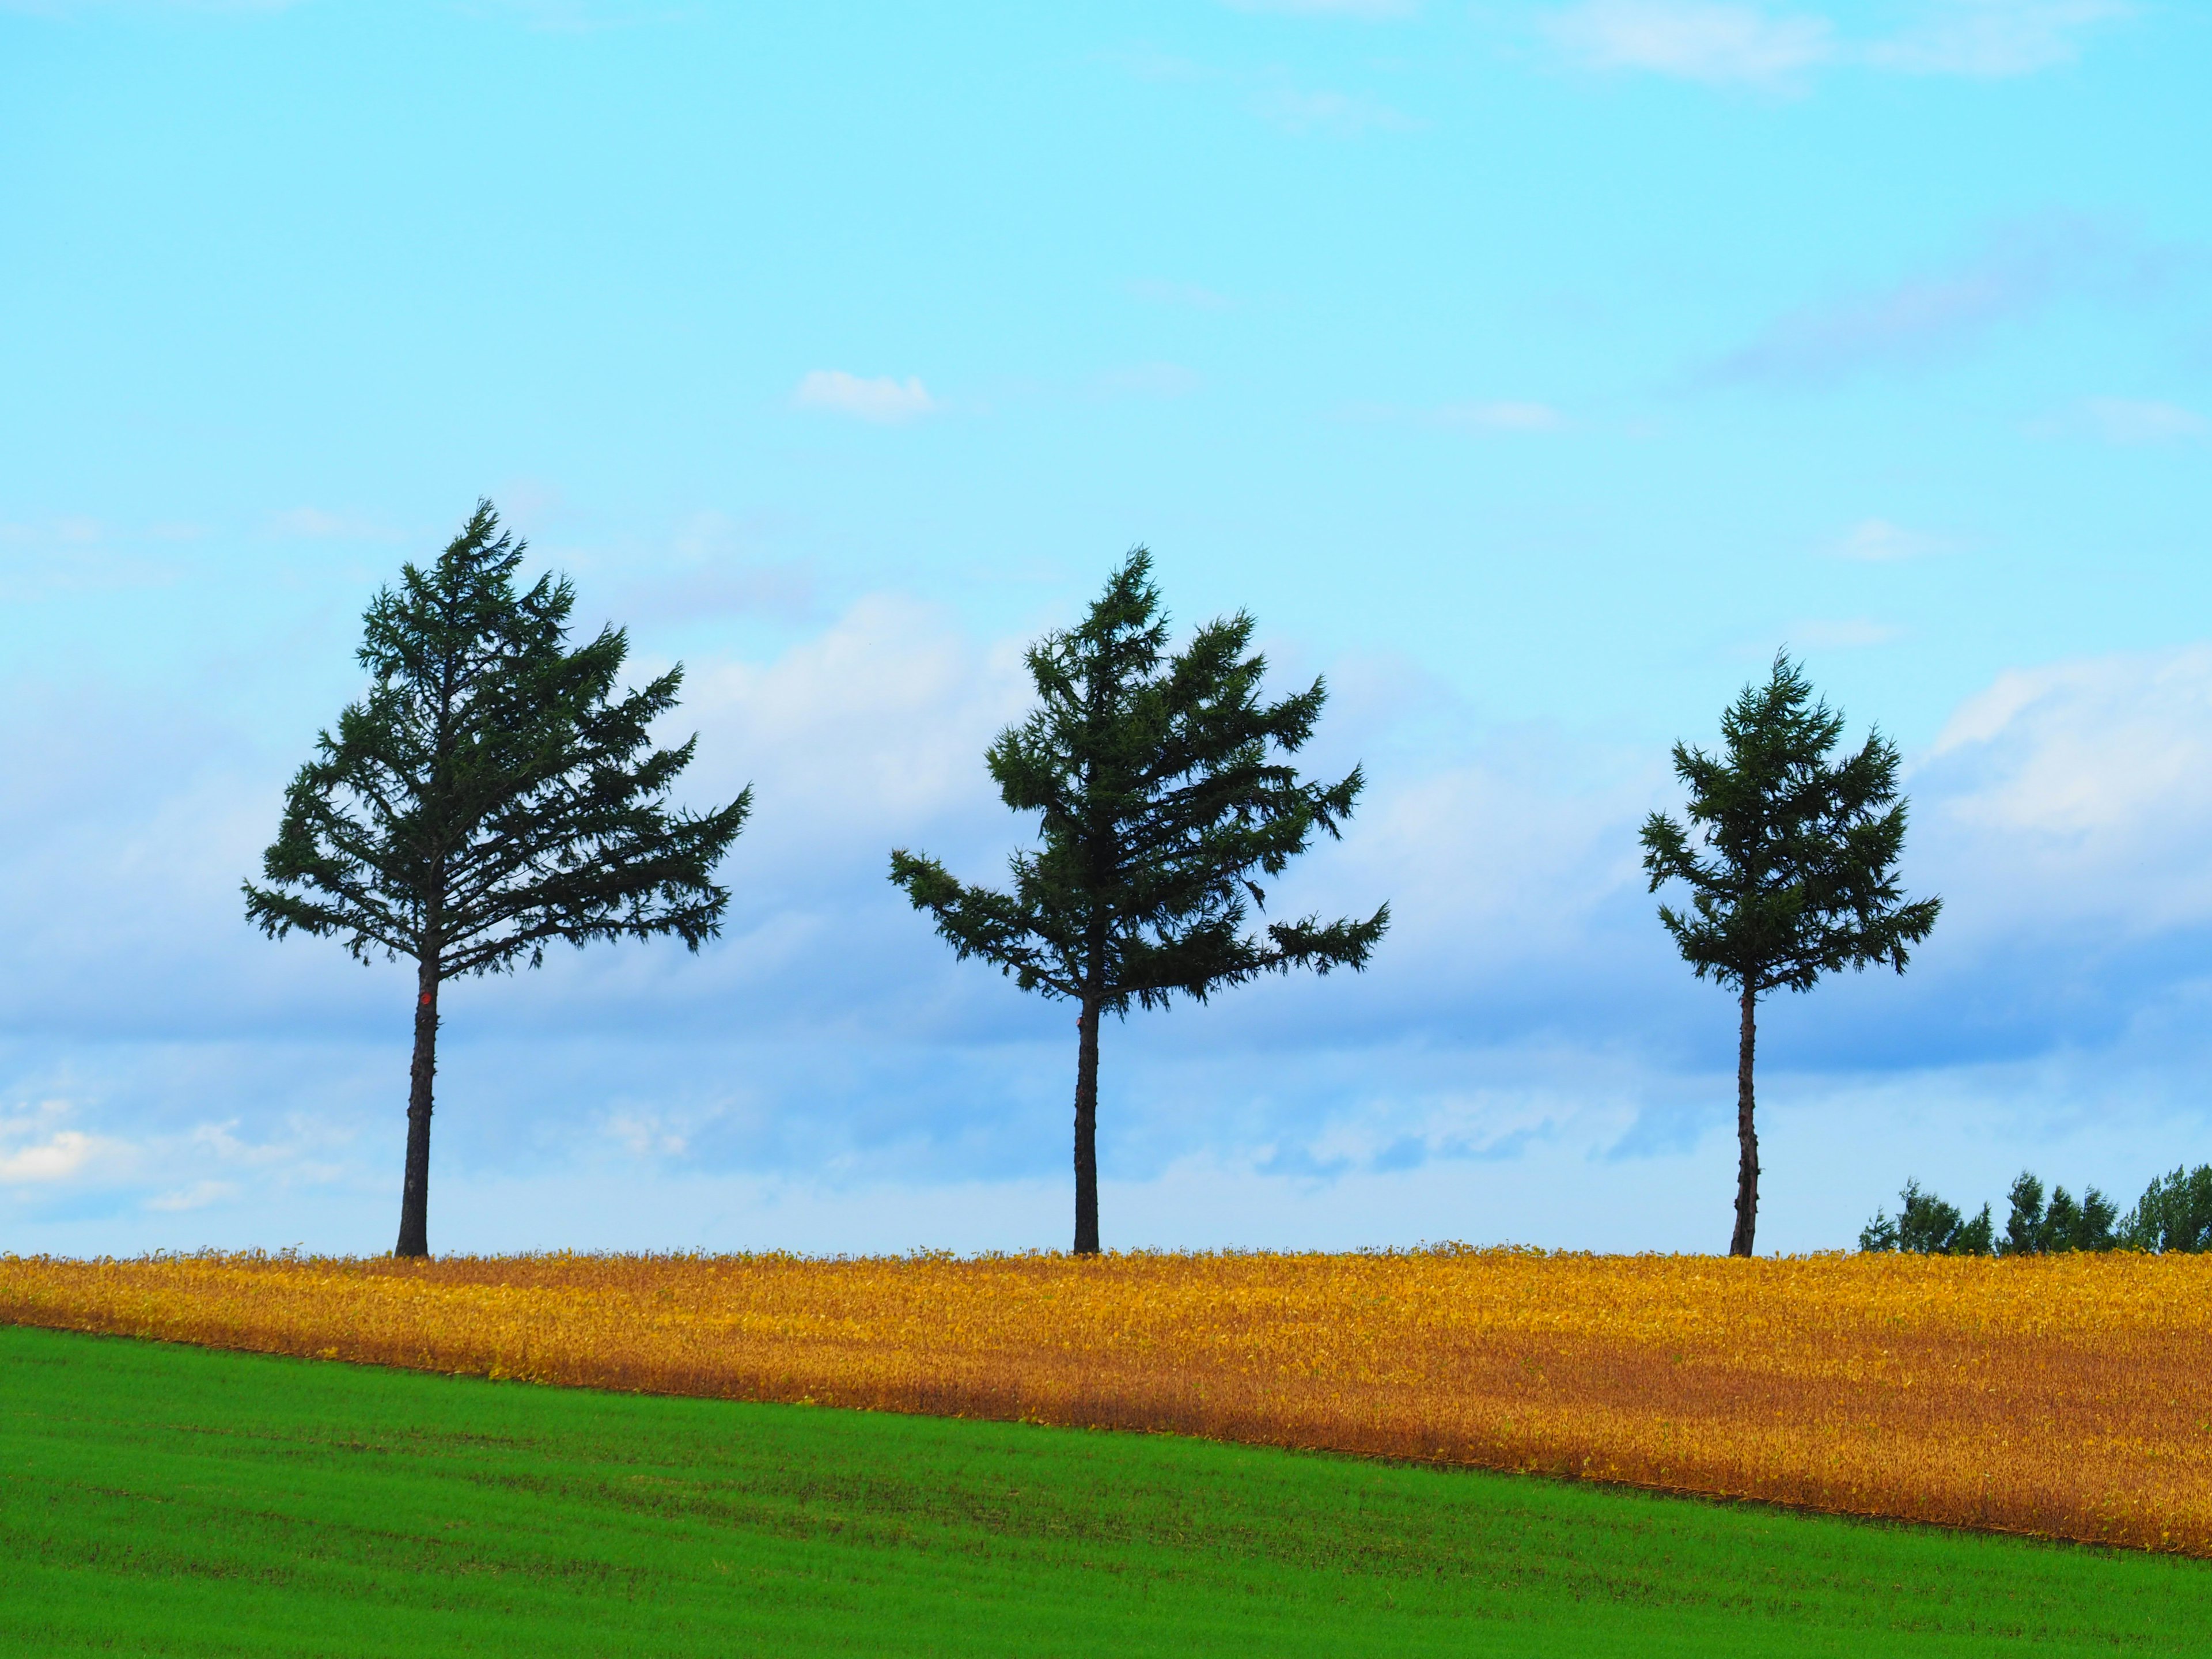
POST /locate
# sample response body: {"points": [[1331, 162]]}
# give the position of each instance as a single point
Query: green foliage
{"points": [[1928, 1225], [1791, 867], [2173, 1214], [2034, 1228], [1160, 801], [491, 794], [167, 1500]]}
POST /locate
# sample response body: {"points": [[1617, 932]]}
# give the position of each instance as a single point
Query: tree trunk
{"points": [[1086, 1131], [1746, 1174], [414, 1195]]}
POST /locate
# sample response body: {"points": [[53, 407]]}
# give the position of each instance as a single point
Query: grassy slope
{"points": [[164, 1499]]}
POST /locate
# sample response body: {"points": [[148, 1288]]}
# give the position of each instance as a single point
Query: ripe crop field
{"points": [[156, 1499], [2068, 1396]]}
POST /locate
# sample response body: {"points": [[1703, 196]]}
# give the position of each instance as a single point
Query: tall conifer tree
{"points": [[1163, 794], [490, 795], [1791, 873]]}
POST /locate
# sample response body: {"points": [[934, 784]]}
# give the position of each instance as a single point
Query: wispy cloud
{"points": [[1151, 380], [1877, 541], [1694, 39], [1938, 314], [1187, 295], [574, 16], [2138, 421], [782, 589], [1366, 10], [882, 400], [1508, 416], [1270, 94], [1745, 43], [1149, 63], [198, 1196], [1343, 114], [78, 8], [1842, 633], [75, 553], [317, 523], [1493, 415], [1991, 38]]}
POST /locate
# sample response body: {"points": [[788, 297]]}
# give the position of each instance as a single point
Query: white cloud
{"points": [[882, 400], [56, 1158], [1344, 114], [878, 723], [37, 1150], [2134, 421], [1504, 416], [1694, 40], [79, 8], [2085, 788], [646, 1134], [1369, 10], [198, 1196], [1991, 38], [1735, 41], [1878, 541]]}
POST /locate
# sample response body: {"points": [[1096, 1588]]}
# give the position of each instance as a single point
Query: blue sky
{"points": [[1534, 371]]}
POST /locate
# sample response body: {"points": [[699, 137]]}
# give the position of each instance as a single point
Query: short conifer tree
{"points": [[1164, 792], [491, 794], [1791, 861]]}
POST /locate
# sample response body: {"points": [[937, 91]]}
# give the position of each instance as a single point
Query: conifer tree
{"points": [[490, 796], [1791, 869], [1163, 794]]}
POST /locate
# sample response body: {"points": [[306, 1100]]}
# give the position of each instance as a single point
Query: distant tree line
{"points": [[2174, 1214]]}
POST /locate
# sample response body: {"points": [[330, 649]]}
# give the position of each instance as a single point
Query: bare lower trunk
{"points": [[414, 1195], [1086, 1132], [1746, 1174]]}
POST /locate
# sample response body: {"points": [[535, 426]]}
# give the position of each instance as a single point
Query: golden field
{"points": [[2065, 1395]]}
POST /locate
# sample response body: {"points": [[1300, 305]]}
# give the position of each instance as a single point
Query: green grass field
{"points": [[161, 1499]]}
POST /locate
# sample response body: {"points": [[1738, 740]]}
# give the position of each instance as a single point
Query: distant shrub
{"points": [[1925, 1224], [2173, 1215]]}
